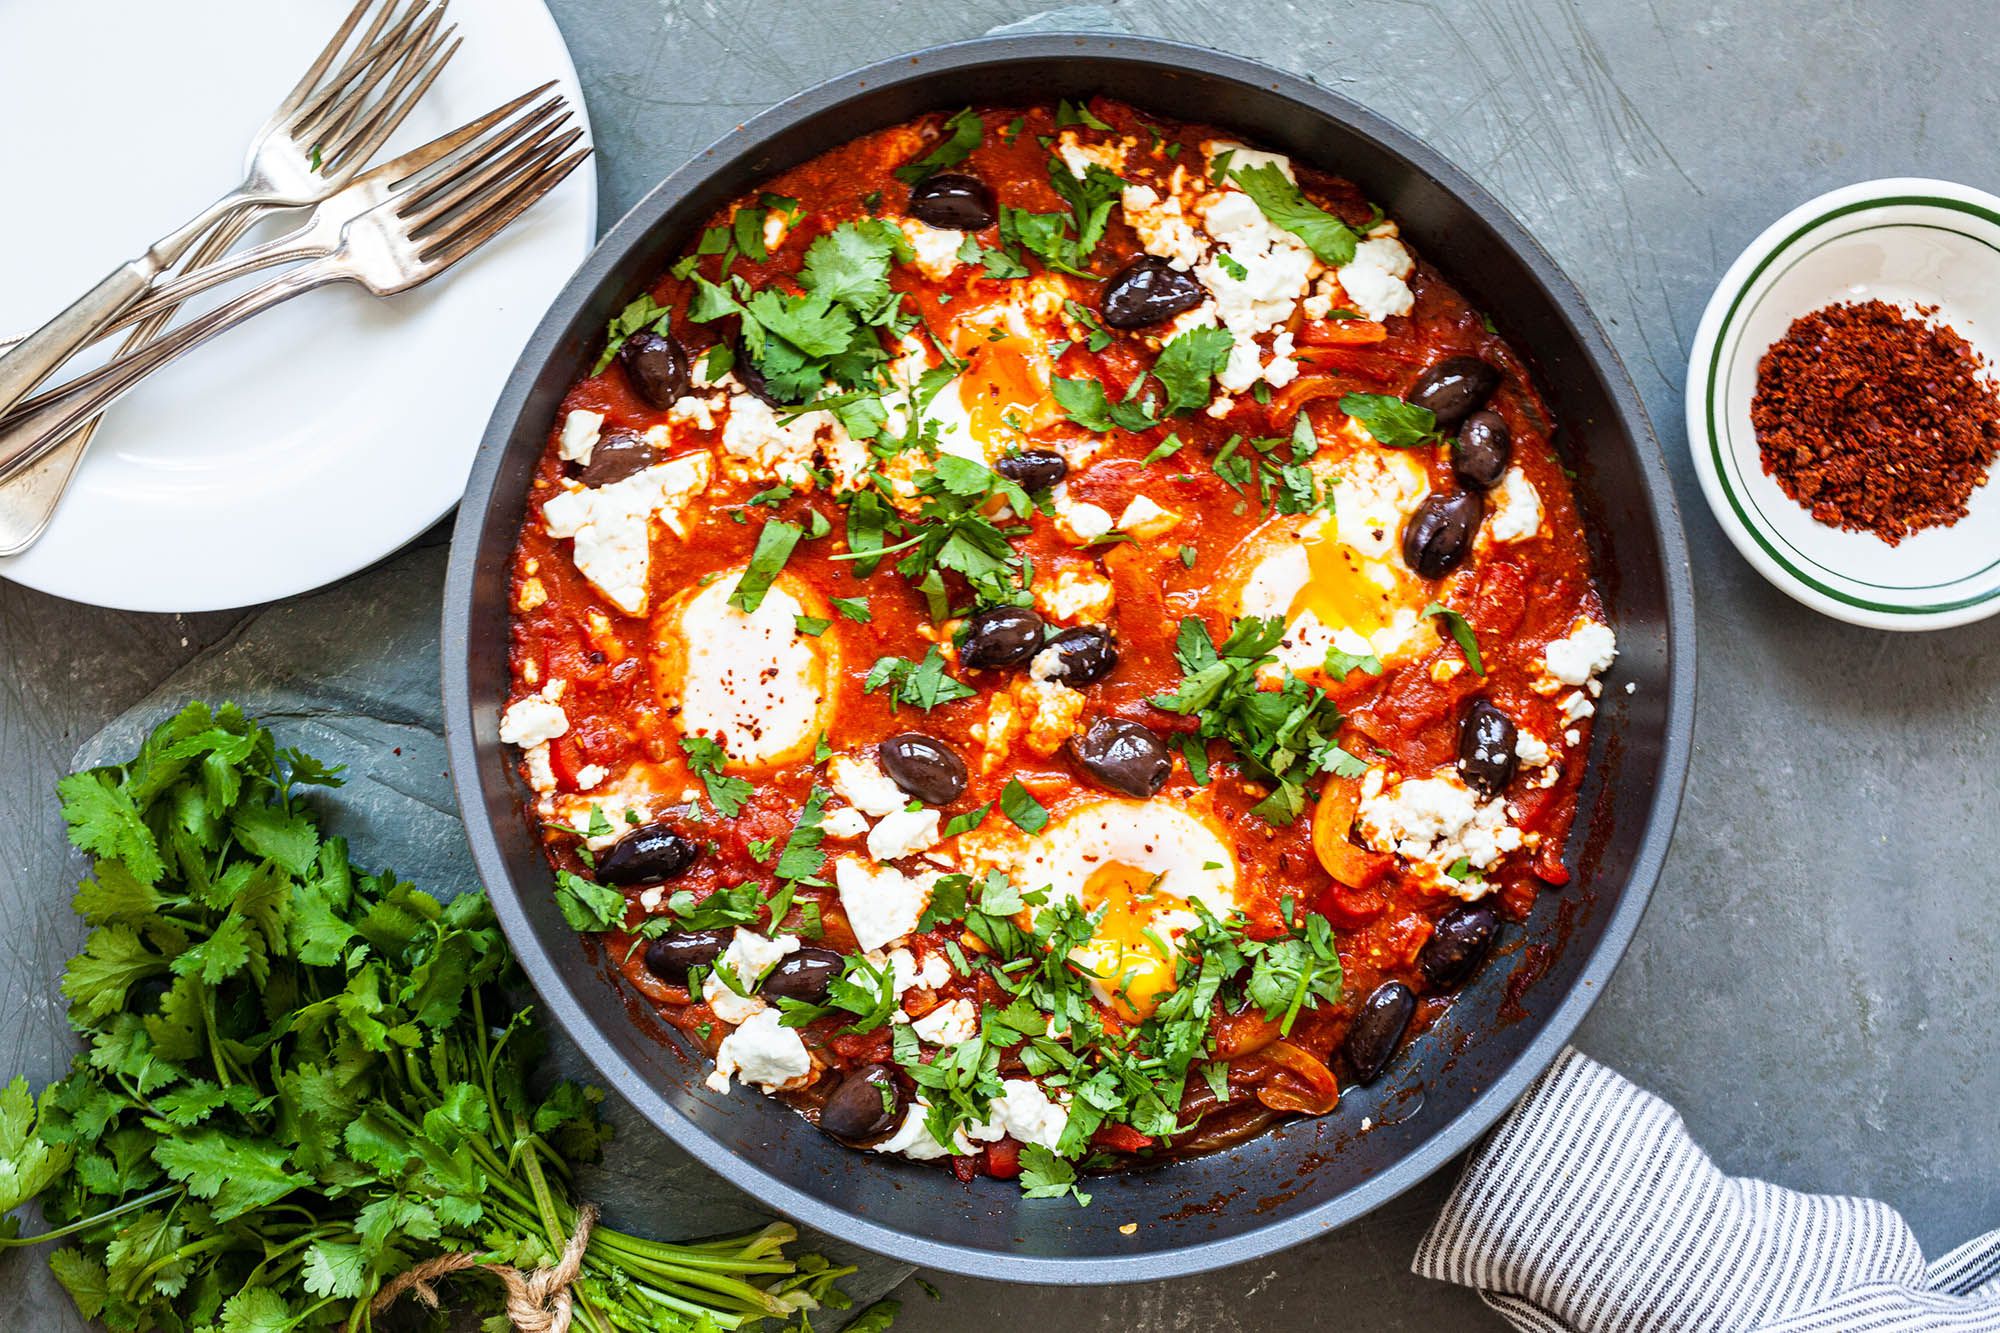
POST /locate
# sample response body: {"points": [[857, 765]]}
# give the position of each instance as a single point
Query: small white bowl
{"points": [[1908, 242]]}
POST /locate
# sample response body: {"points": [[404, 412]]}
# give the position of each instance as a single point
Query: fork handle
{"points": [[38, 425], [37, 356]]}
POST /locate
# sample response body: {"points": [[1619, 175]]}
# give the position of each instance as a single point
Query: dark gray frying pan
{"points": [[1507, 1026]]}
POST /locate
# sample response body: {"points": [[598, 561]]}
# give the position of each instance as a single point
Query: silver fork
{"points": [[438, 219], [28, 498], [314, 143]]}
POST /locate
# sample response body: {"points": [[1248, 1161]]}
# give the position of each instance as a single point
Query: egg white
{"points": [[752, 682]]}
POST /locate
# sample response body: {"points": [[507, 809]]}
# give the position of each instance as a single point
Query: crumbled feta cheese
{"points": [[882, 903], [952, 1023], [936, 247], [844, 823], [1573, 736], [692, 409], [610, 528], [1048, 665], [579, 436], [1517, 508], [1243, 157], [1530, 749], [860, 781], [1079, 157], [1631, 687], [532, 721], [1081, 523], [1163, 227], [777, 224], [774, 449], [1281, 369], [1276, 270], [765, 1053], [1051, 709], [912, 1139], [1589, 649], [1374, 278], [541, 773], [1024, 1111], [1434, 822], [591, 775], [1575, 706], [1145, 519], [903, 833], [1074, 595], [725, 1003], [933, 972]]}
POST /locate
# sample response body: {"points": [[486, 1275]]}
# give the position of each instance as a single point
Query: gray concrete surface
{"points": [[1812, 985]]}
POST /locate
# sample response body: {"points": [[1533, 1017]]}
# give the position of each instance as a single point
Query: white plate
{"points": [[1908, 242], [324, 434]]}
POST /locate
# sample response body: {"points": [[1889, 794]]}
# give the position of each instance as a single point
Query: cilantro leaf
{"points": [[1280, 200], [1047, 1176], [1019, 804], [104, 820], [1187, 366], [588, 906], [1460, 630], [923, 684], [1393, 422], [643, 310], [962, 134], [705, 760]]}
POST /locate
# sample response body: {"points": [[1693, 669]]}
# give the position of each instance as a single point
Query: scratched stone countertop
{"points": [[1811, 986]]}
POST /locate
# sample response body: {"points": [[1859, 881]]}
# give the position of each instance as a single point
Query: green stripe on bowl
{"points": [[1722, 340]]}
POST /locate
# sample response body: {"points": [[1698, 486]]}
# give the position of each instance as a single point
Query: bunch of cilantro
{"points": [[300, 1080]]}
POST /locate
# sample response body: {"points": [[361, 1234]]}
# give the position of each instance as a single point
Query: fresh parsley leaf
{"points": [[638, 314], [1393, 422], [1281, 201], [1047, 1176], [1019, 805], [854, 608], [923, 684], [774, 548], [968, 821], [1461, 631], [962, 134], [1187, 366], [812, 626], [1339, 664], [705, 760]]}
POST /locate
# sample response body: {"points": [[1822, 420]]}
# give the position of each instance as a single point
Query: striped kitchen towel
{"points": [[1590, 1210]]}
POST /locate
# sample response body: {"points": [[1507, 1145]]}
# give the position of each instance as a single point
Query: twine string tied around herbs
{"points": [[537, 1302]]}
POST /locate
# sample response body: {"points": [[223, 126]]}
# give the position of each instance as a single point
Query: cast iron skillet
{"points": [[1437, 1096]]}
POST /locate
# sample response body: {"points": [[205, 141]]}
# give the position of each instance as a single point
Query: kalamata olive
{"points": [[656, 366], [1124, 756], [646, 855], [1085, 655], [1439, 534], [619, 454], [672, 957], [1146, 291], [1454, 389], [953, 201], [923, 766], [804, 975], [1005, 636], [751, 377], [1482, 451], [1486, 739], [1458, 944], [864, 1106], [1378, 1028], [1033, 469]]}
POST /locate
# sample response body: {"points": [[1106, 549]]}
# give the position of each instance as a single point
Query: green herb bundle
{"points": [[300, 1080]]}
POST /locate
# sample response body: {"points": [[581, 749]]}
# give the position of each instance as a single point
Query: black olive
{"points": [[953, 201], [672, 957], [1439, 534], [923, 766], [751, 377], [646, 855], [1482, 451], [656, 366], [804, 975], [1124, 756], [1033, 469], [1085, 655], [1486, 748], [1378, 1028], [864, 1106], [1146, 291], [1458, 944], [1454, 389], [619, 454], [1005, 636]]}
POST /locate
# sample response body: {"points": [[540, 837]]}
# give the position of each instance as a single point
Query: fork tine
{"points": [[493, 180], [446, 189], [400, 98], [388, 33], [446, 147], [310, 79], [332, 119], [468, 232]]}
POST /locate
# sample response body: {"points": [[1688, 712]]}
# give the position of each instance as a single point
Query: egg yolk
{"points": [[1346, 589], [1130, 957], [1003, 387]]}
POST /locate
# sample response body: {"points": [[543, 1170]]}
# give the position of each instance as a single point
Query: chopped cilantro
{"points": [[705, 760], [1019, 805], [1393, 422], [923, 684], [812, 626], [854, 608], [642, 311], [1461, 631], [1187, 366], [1281, 201], [1075, 113], [962, 134], [774, 548], [965, 823]]}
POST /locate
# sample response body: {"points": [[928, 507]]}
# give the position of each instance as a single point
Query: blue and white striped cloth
{"points": [[1590, 1210]]}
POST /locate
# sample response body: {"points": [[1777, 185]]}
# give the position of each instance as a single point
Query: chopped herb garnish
{"points": [[1461, 631], [854, 608], [1281, 201], [642, 312], [923, 684], [774, 548], [962, 134], [1392, 421], [705, 760], [1020, 805]]}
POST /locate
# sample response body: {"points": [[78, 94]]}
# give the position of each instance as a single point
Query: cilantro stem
{"points": [[94, 1220]]}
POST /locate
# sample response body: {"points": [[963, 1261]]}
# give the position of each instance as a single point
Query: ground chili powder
{"points": [[1874, 420]]}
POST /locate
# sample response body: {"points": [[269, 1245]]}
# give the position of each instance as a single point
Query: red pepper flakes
{"points": [[1875, 421]]}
